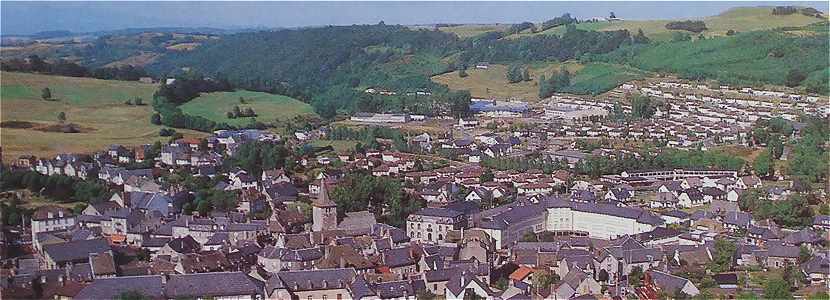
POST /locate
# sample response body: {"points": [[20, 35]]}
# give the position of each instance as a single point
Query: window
{"points": [[310, 298], [339, 296], [325, 297]]}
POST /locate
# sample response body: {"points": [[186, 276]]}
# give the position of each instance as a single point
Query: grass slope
{"points": [[214, 106], [92, 103], [762, 57], [597, 78]]}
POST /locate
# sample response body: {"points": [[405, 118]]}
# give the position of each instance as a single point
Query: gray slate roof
{"points": [[75, 250], [210, 284]]}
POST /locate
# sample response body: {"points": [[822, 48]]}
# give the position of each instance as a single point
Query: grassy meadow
{"points": [[97, 105], [268, 107]]}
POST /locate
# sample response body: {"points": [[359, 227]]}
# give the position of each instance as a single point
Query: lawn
{"points": [[90, 103], [492, 83], [268, 107]]}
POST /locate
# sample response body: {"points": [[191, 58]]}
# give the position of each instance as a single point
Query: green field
{"points": [[268, 107], [97, 105]]}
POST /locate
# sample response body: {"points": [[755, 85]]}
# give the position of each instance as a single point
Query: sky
{"points": [[23, 17]]}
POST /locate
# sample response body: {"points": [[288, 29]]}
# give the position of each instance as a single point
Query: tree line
{"points": [[35, 64]]}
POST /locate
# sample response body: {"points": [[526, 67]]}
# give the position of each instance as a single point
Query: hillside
{"points": [[268, 107], [492, 83], [739, 19], [97, 106], [593, 78], [751, 58]]}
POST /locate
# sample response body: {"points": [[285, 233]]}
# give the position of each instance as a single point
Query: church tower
{"points": [[324, 210]]}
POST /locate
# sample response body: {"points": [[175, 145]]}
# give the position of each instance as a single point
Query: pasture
{"points": [[268, 107], [97, 105]]}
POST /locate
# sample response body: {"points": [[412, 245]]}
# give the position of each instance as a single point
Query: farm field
{"points": [[268, 107], [95, 105]]}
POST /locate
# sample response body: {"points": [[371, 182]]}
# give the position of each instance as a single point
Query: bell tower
{"points": [[324, 210]]}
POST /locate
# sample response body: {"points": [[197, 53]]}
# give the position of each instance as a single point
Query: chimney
{"points": [[43, 279], [61, 281], [164, 278]]}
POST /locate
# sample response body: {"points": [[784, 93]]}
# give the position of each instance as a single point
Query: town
{"points": [[653, 153], [556, 210]]}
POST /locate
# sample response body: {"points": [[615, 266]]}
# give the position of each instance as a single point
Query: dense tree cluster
{"points": [[523, 164], [517, 28], [170, 115], [565, 19], [792, 212], [557, 82], [517, 73], [368, 136], [384, 196], [187, 88], [257, 156], [642, 107], [810, 157], [688, 25], [237, 112], [784, 10], [595, 166], [60, 188]]}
